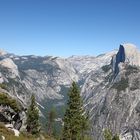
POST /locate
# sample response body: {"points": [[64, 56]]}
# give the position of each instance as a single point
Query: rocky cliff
{"points": [[113, 97], [127, 54], [110, 86]]}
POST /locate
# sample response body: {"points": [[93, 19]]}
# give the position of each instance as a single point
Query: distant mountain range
{"points": [[109, 83]]}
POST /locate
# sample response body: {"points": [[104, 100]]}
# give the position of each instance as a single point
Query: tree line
{"points": [[76, 121]]}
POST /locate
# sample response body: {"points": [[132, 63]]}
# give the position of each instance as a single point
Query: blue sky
{"points": [[68, 27]]}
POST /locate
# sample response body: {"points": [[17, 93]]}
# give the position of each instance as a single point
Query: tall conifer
{"points": [[33, 118], [75, 122]]}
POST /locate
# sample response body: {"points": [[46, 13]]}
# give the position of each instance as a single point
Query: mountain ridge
{"points": [[103, 81]]}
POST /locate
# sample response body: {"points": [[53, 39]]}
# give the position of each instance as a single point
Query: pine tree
{"points": [[51, 119], [33, 118], [75, 122]]}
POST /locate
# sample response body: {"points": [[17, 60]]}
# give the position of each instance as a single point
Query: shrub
{"points": [[5, 100], [121, 85], [131, 69], [106, 68], [135, 84], [3, 86]]}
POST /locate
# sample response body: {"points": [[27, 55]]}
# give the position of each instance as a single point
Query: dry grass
{"points": [[9, 135]]}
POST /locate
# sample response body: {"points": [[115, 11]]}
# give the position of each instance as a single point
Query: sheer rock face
{"points": [[127, 53], [132, 55], [110, 86], [114, 106], [113, 99]]}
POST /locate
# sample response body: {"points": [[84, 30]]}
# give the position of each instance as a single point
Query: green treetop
{"points": [[33, 118], [75, 122]]}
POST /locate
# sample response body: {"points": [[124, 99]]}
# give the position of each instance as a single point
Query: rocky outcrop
{"points": [[8, 64], [132, 54], [9, 116], [120, 57], [127, 54], [12, 113]]}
